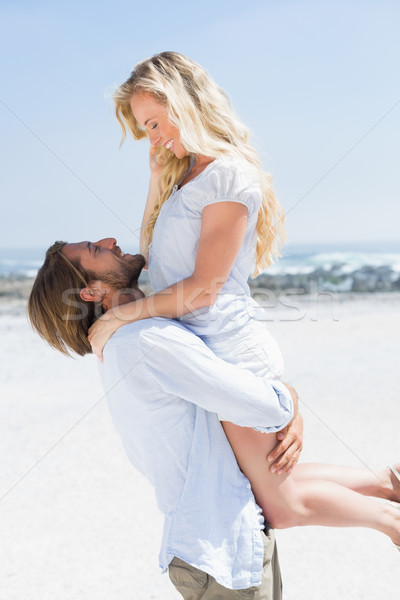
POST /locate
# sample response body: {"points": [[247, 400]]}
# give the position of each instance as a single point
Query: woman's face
{"points": [[152, 116]]}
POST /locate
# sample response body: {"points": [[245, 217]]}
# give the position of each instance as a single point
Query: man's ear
{"points": [[92, 294]]}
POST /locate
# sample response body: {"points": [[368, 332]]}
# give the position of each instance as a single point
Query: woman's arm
{"points": [[152, 197], [223, 228]]}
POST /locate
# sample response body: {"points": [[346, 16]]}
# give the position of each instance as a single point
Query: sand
{"points": [[77, 521]]}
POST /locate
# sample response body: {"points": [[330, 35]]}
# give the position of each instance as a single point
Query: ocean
{"points": [[342, 267], [305, 258], [296, 259]]}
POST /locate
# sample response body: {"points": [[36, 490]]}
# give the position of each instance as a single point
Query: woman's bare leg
{"points": [[381, 483], [287, 502]]}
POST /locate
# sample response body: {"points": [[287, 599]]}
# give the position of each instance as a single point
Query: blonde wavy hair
{"points": [[208, 126]]}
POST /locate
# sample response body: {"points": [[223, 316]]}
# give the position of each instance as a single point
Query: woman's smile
{"points": [[152, 115]]}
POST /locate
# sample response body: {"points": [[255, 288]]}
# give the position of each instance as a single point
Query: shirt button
{"points": [[248, 486]]}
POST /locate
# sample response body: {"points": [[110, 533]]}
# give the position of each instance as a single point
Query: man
{"points": [[167, 393]]}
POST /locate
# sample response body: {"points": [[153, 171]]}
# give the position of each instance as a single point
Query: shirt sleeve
{"points": [[227, 181], [184, 366]]}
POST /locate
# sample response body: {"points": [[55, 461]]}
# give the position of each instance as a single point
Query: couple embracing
{"points": [[192, 374]]}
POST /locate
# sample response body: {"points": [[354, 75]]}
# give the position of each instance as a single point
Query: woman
{"points": [[210, 211]]}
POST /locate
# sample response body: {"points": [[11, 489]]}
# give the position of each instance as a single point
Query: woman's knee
{"points": [[281, 519], [288, 512]]}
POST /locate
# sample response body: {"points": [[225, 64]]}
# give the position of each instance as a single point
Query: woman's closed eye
{"points": [[154, 126]]}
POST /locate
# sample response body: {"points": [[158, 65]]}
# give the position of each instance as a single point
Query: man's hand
{"points": [[287, 452]]}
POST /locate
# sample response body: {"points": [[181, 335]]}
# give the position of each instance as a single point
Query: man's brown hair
{"points": [[55, 308]]}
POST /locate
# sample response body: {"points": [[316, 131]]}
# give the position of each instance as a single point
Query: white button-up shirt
{"points": [[167, 392]]}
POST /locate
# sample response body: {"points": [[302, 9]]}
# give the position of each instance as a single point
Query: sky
{"points": [[316, 82]]}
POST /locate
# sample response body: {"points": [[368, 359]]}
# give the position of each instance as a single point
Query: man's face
{"points": [[106, 260]]}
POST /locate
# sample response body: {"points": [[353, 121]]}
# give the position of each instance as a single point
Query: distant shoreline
{"points": [[356, 268], [15, 289]]}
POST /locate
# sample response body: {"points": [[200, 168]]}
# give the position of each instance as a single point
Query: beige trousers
{"points": [[194, 584]]}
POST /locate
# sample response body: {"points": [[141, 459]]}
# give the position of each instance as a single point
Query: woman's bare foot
{"points": [[393, 510], [388, 484], [394, 478]]}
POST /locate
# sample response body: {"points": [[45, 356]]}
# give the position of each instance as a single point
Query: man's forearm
{"points": [[184, 366], [295, 399]]}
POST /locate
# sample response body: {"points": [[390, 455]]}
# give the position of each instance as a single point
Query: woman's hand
{"points": [[155, 166], [101, 331]]}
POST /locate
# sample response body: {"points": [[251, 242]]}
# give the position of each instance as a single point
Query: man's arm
{"points": [[184, 366]]}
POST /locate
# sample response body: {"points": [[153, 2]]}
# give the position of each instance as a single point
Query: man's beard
{"points": [[125, 278]]}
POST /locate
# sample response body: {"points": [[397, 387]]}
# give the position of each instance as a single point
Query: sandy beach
{"points": [[79, 522]]}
